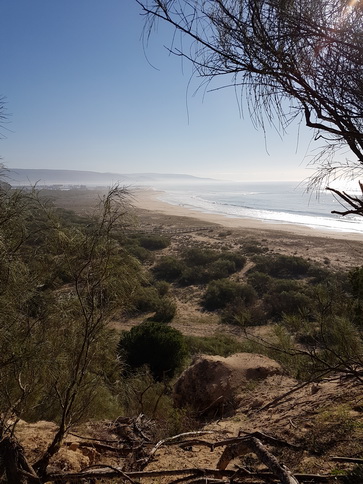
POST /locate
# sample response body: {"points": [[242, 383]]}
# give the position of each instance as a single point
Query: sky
{"points": [[82, 91]]}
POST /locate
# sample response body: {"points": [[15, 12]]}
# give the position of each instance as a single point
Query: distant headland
{"points": [[76, 178]]}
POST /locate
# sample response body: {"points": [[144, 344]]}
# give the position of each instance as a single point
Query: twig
{"points": [[176, 437], [354, 460]]}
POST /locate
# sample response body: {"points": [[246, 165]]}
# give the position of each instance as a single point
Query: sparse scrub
{"points": [[141, 394], [330, 427], [237, 313], [197, 256], [252, 247], [142, 254], [282, 266], [154, 242], [219, 344]]}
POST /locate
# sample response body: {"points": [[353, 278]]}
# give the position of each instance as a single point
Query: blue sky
{"points": [[83, 93]]}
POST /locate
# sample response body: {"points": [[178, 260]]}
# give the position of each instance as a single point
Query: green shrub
{"points": [[224, 291], [260, 281], [237, 313], [220, 293], [155, 345], [196, 256], [282, 266], [204, 265], [154, 242], [162, 287], [286, 302], [169, 268], [191, 275], [252, 247], [285, 285], [146, 299], [219, 344], [165, 310], [318, 274], [220, 269], [142, 254], [237, 258]]}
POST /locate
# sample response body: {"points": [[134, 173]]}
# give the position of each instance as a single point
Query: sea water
{"points": [[272, 202]]}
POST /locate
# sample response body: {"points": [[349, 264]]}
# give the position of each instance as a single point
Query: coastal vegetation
{"points": [[70, 282]]}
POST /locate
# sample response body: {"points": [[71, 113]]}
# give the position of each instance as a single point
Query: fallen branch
{"points": [[190, 474], [175, 438], [122, 451], [353, 460], [270, 461]]}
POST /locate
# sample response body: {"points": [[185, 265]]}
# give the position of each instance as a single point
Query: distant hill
{"points": [[26, 177]]}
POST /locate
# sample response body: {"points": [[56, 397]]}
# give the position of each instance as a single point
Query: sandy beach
{"points": [[340, 249], [149, 199]]}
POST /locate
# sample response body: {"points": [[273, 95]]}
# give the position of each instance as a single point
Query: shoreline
{"points": [[147, 199]]}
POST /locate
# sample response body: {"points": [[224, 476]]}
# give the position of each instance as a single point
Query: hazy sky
{"points": [[82, 93]]}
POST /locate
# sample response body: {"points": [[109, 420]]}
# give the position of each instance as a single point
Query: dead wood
{"points": [[270, 461], [353, 460], [175, 438], [14, 463], [190, 475], [84, 437], [122, 451], [111, 473]]}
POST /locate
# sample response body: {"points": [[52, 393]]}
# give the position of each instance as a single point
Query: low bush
{"points": [[196, 256], [169, 268], [286, 302], [220, 269], [162, 287], [154, 242], [219, 344], [237, 258], [282, 266], [165, 310], [260, 281], [220, 293], [224, 291], [146, 299], [142, 254], [199, 266], [252, 247], [155, 345], [237, 313]]}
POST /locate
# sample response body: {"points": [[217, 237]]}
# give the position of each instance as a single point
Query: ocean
{"points": [[272, 202]]}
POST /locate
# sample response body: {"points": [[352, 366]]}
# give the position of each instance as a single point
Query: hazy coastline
{"points": [[154, 200]]}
